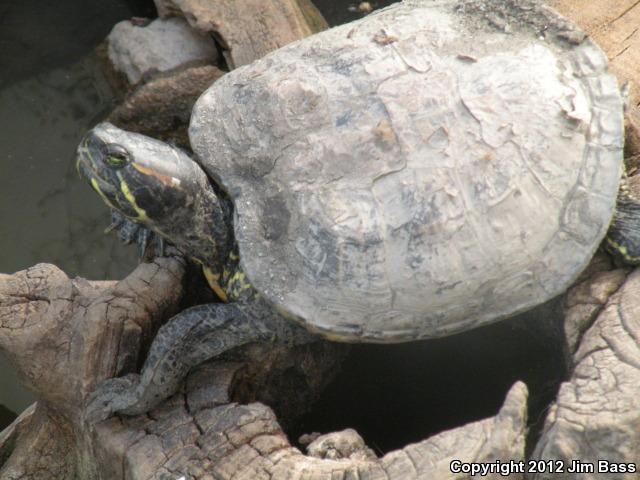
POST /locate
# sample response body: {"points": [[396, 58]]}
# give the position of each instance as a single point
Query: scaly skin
{"points": [[156, 188], [188, 339]]}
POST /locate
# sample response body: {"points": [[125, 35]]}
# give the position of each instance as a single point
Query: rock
{"points": [[162, 45], [362, 7], [345, 444], [247, 29]]}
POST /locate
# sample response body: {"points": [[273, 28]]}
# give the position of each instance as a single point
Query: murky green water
{"points": [[51, 91]]}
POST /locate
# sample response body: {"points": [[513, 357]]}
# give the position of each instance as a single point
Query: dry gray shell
{"points": [[433, 167]]}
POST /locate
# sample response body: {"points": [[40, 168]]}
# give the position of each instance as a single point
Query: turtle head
{"points": [[158, 186]]}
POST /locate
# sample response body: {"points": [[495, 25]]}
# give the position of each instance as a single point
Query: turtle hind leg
{"points": [[186, 340], [623, 237], [131, 232]]}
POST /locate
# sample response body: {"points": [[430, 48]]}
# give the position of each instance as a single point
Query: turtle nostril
{"points": [[91, 140], [89, 150]]}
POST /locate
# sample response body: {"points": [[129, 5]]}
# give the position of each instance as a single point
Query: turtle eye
{"points": [[115, 156]]}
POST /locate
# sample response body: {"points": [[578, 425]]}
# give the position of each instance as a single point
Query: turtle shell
{"points": [[428, 169]]}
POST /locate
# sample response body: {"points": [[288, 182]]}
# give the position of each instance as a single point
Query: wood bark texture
{"points": [[596, 414], [66, 335], [248, 29]]}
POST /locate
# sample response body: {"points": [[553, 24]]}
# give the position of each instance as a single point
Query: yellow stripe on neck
{"points": [[623, 252], [212, 280]]}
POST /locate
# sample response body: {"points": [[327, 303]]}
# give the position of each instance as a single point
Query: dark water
{"points": [[52, 91], [399, 394]]}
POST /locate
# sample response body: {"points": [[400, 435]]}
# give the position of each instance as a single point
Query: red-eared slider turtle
{"points": [[431, 168]]}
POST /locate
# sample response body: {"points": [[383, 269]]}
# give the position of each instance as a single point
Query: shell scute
{"points": [[419, 172]]}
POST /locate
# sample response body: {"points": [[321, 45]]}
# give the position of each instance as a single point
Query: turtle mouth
{"points": [[131, 174]]}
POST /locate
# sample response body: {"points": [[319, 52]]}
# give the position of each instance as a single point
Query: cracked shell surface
{"points": [[431, 168]]}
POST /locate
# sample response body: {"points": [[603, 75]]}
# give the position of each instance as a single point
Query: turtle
{"points": [[431, 168]]}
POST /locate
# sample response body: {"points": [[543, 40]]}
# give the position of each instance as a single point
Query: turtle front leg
{"points": [[132, 232], [188, 339]]}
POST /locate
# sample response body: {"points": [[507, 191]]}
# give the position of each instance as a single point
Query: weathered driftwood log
{"points": [[248, 29], [65, 336], [596, 416]]}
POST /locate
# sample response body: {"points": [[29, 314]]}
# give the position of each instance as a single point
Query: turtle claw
{"points": [[143, 240], [128, 231], [132, 232], [114, 224], [112, 396]]}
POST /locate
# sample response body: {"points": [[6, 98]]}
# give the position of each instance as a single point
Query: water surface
{"points": [[51, 91]]}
